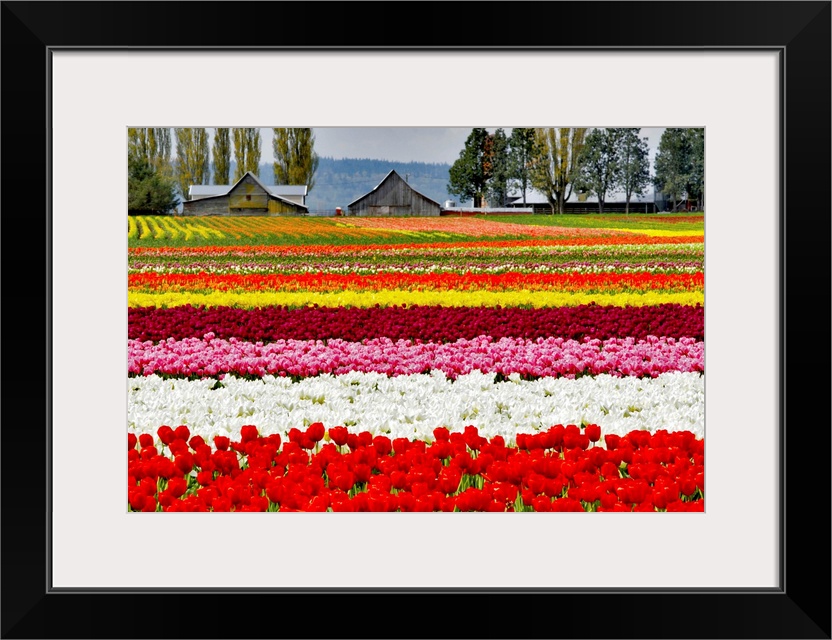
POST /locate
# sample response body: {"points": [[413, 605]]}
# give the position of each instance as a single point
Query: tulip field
{"points": [[453, 364]]}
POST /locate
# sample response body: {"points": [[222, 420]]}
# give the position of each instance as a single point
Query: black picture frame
{"points": [[799, 608]]}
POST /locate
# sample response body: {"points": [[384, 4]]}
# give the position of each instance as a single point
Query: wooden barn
{"points": [[393, 197], [247, 197]]}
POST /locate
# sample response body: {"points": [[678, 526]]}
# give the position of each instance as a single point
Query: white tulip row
{"points": [[411, 406]]}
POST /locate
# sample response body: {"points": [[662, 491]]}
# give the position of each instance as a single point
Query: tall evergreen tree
{"points": [[295, 160], [557, 158], [149, 192], [469, 175], [246, 151], [222, 156], [633, 164], [598, 170], [521, 150], [192, 159]]}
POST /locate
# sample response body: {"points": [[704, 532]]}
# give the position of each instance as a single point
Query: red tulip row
{"points": [[564, 468], [622, 239]]}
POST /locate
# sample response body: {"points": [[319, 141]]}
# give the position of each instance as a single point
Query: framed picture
{"points": [[754, 75]]}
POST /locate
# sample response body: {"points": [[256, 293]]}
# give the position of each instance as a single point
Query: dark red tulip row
{"points": [[429, 323], [565, 468]]}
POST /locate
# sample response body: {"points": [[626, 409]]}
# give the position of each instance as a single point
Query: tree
{"points": [[148, 190], [633, 164], [469, 175], [696, 186], [521, 152], [501, 169], [680, 164], [163, 149], [598, 171], [556, 161], [192, 159], [246, 151], [152, 145], [222, 156], [136, 144], [295, 160]]}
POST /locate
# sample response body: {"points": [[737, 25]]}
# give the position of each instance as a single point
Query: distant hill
{"points": [[339, 182]]}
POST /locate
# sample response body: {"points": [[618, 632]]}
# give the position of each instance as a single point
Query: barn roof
{"points": [[221, 189], [276, 191], [383, 180]]}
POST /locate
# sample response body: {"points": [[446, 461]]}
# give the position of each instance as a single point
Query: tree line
{"points": [[558, 161], [156, 184]]}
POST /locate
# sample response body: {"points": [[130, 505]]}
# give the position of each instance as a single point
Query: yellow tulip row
{"points": [[386, 298]]}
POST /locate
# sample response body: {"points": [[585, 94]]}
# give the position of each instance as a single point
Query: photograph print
{"points": [[415, 319]]}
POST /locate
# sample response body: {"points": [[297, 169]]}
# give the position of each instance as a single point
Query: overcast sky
{"points": [[403, 144], [399, 144]]}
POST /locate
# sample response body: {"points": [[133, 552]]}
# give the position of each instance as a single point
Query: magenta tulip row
{"points": [[211, 356], [437, 324]]}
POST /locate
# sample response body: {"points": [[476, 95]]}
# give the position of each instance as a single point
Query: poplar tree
{"points": [[295, 160], [152, 145], [253, 151], [192, 159], [246, 151], [557, 158], [222, 156], [137, 144], [163, 149]]}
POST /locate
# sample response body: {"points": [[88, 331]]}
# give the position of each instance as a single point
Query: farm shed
{"points": [[584, 203], [248, 196], [393, 197]]}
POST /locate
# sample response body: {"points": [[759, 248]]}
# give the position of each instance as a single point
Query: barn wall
{"points": [[281, 208], [206, 207], [248, 196], [394, 197]]}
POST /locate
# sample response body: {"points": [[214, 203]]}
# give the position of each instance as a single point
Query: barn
{"points": [[247, 196], [393, 196]]}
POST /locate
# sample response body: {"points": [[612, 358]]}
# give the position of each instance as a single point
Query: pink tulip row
{"points": [[483, 228], [211, 356]]}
